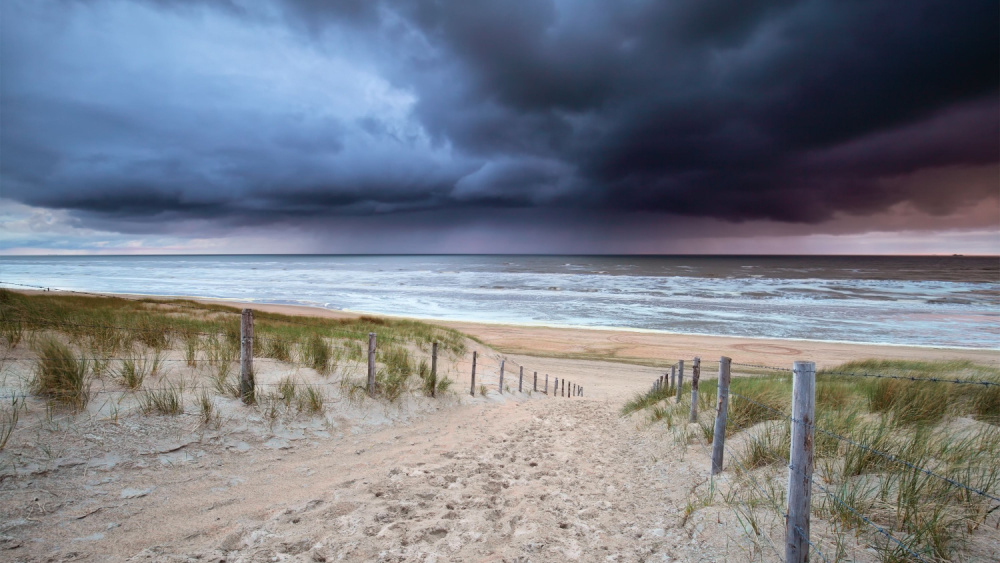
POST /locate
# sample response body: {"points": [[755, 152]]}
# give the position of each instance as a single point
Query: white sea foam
{"points": [[670, 296]]}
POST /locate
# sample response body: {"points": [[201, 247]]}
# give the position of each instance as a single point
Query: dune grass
{"points": [[895, 429], [126, 337], [59, 376]]}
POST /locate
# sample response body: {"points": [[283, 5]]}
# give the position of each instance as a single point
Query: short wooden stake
{"points": [[371, 364], [500, 385], [721, 415], [563, 394], [555, 389], [520, 380], [246, 357], [695, 376], [680, 378], [472, 389], [546, 384], [534, 385], [800, 465], [434, 369]]}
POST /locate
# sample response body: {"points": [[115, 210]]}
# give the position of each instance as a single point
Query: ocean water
{"points": [[929, 301]]}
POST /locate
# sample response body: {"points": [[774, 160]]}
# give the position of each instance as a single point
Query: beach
{"points": [[500, 475]]}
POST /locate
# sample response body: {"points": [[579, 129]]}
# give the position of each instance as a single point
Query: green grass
{"points": [[168, 400], [112, 323], [949, 429], [59, 376], [9, 417]]}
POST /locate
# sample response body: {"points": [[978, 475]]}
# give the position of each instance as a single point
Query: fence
{"points": [[494, 370], [979, 487]]}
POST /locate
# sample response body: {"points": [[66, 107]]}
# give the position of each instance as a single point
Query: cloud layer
{"points": [[143, 116]]}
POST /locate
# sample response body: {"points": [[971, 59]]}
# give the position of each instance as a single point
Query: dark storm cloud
{"points": [[249, 113]]}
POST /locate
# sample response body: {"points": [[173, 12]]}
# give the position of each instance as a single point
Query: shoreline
{"points": [[648, 347]]}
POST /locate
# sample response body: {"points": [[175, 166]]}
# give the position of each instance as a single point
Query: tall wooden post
{"points": [[246, 357], [673, 376], [472, 388], [680, 378], [555, 389], [695, 376], [546, 384], [721, 415], [371, 364], [434, 369], [500, 385], [520, 380], [800, 465], [563, 393], [534, 385]]}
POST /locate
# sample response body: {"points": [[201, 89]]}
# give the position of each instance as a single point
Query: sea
{"points": [[945, 301]]}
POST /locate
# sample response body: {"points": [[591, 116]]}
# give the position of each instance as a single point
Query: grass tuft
{"points": [[167, 400], [59, 376]]}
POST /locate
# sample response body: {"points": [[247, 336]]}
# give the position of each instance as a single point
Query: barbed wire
{"points": [[815, 548], [959, 381], [772, 368], [885, 455], [865, 519]]}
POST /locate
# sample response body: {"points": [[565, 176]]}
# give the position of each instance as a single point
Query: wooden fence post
{"points": [[434, 369], [555, 389], [546, 384], [520, 380], [721, 415], [534, 385], [500, 385], [472, 389], [673, 376], [680, 378], [246, 357], [371, 364], [800, 465], [695, 376], [563, 388]]}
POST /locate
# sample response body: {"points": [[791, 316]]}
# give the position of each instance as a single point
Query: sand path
{"points": [[497, 479]]}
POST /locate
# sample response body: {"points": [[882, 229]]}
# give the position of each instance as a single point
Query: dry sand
{"points": [[516, 477]]}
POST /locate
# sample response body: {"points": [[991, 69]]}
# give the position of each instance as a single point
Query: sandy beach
{"points": [[659, 348]]}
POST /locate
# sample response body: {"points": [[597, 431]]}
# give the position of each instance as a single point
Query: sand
{"points": [[511, 477]]}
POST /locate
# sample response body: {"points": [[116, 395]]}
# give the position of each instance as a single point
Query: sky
{"points": [[522, 126]]}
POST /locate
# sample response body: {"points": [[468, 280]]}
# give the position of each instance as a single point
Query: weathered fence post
{"points": [[800, 465], [563, 394], [434, 369], [534, 385], [673, 376], [680, 378], [546, 384], [721, 415], [246, 357], [500, 385], [371, 364], [695, 376], [472, 389], [520, 380]]}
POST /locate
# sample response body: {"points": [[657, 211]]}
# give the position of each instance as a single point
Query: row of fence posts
{"points": [[247, 377], [573, 391], [800, 467]]}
